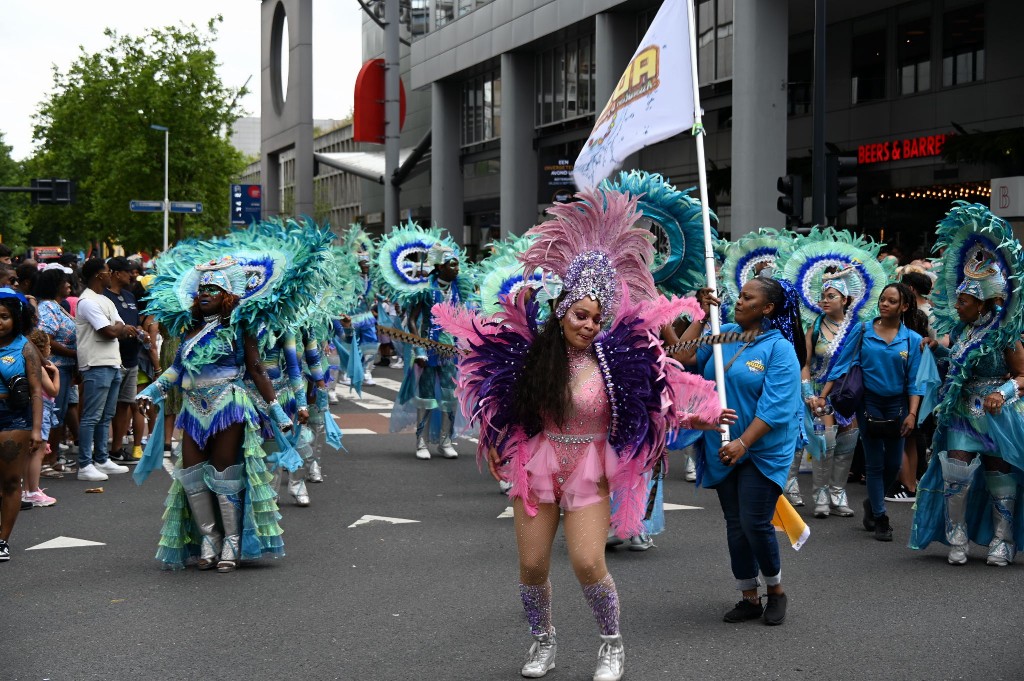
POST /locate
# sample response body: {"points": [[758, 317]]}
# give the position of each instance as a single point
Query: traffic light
{"points": [[840, 184], [791, 203], [59, 192]]}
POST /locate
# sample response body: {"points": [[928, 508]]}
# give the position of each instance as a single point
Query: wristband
{"points": [[745, 447], [1008, 390]]}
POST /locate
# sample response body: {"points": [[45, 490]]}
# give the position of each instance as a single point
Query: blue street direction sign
{"points": [[146, 206], [193, 207]]}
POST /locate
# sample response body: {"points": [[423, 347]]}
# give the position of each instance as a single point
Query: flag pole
{"points": [[709, 254]]}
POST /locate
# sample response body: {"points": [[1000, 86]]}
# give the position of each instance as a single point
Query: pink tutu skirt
{"points": [[568, 473]]}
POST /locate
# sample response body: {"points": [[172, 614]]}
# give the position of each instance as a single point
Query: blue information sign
{"points": [[246, 203], [193, 207], [145, 206]]}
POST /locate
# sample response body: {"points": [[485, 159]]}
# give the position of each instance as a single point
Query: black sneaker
{"points": [[775, 611], [744, 610], [5, 551], [869, 516], [900, 494], [883, 530], [26, 505], [122, 455]]}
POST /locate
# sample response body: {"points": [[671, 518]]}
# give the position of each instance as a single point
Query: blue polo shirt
{"points": [[763, 382], [889, 369]]}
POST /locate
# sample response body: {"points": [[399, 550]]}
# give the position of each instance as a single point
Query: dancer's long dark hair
{"points": [[542, 392]]}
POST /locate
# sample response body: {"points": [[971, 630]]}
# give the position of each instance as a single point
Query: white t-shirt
{"points": [[94, 312]]}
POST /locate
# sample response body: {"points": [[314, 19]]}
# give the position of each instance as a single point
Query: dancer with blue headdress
{"points": [[973, 482], [356, 257], [217, 294], [419, 268], [838, 277]]}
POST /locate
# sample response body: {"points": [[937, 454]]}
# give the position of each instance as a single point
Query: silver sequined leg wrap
{"points": [[957, 477], [1002, 487]]}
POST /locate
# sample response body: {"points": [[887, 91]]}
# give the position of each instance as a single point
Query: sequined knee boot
{"points": [[447, 448], [1002, 487], [846, 443], [792, 490], [227, 485], [821, 471], [603, 599], [957, 477], [421, 440], [537, 605], [202, 504]]}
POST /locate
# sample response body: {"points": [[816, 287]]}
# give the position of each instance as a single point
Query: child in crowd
{"points": [[50, 380]]}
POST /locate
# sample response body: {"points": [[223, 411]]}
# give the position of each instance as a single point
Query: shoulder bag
{"points": [[848, 390]]}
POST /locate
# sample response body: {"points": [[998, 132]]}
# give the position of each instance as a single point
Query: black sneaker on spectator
{"points": [[26, 505], [122, 455], [5, 551], [901, 494]]}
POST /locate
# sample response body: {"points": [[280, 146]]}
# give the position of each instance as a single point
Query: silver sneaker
{"points": [[447, 450], [542, 656], [792, 492], [838, 503], [611, 659], [640, 542], [315, 474], [691, 470], [421, 449], [821, 502]]}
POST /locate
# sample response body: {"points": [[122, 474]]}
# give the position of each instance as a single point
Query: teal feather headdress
{"points": [[271, 265], [403, 271], [501, 275], [969, 236], [674, 217], [744, 256], [848, 262]]}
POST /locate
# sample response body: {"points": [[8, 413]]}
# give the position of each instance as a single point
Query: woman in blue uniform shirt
{"points": [[889, 354], [762, 383]]}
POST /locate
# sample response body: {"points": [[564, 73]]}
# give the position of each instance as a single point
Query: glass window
{"points": [[706, 41], [914, 56], [868, 67], [963, 45], [481, 108], [565, 81], [801, 82]]}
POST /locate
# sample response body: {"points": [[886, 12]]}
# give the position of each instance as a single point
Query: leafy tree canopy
{"points": [[95, 128], [13, 225]]}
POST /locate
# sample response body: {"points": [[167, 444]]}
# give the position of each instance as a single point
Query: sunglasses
{"points": [[831, 296], [210, 290]]}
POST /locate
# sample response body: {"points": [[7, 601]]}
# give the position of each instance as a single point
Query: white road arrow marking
{"points": [[372, 518], [507, 513], [681, 507], [65, 543]]}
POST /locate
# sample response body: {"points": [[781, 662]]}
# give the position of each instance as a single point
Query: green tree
{"points": [[95, 128], [13, 225]]}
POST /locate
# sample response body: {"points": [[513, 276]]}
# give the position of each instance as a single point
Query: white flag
{"points": [[653, 100]]}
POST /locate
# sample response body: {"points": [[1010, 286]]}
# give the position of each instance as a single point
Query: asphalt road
{"points": [[437, 598]]}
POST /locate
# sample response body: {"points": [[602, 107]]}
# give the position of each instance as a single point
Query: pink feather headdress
{"points": [[593, 247]]}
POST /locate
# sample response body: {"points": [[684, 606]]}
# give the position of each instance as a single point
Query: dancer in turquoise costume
{"points": [[359, 321], [973, 481], [418, 269], [217, 294], [674, 219], [839, 278]]}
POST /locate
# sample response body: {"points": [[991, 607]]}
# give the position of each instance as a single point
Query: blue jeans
{"points": [[101, 385], [60, 404], [882, 456], [748, 501]]}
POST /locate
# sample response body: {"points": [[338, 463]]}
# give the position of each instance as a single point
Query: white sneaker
{"points": [[421, 450], [332, 397], [447, 450], [691, 470], [344, 380], [397, 365], [92, 474], [368, 379], [111, 468]]}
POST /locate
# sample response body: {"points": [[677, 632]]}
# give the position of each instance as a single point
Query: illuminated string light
{"points": [[967, 190]]}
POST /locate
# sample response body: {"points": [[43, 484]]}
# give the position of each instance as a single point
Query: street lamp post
{"points": [[167, 200]]}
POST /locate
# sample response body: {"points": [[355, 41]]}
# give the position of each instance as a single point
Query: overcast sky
{"points": [[37, 34]]}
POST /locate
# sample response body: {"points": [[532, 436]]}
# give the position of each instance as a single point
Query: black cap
{"points": [[119, 264]]}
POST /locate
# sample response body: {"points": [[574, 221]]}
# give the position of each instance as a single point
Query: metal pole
{"points": [[818, 140], [709, 254], [392, 112], [167, 168]]}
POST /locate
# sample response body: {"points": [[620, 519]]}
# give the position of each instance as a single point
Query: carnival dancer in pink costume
{"points": [[576, 406]]}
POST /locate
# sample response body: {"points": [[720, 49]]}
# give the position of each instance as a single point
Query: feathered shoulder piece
{"points": [[744, 257], [838, 259], [403, 271], [594, 247], [501, 276], [358, 243], [674, 218], [980, 257]]}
